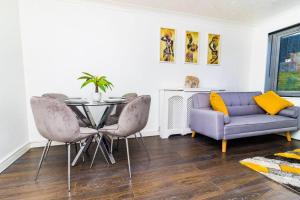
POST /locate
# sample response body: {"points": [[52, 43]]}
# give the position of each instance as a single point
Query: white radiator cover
{"points": [[174, 109]]}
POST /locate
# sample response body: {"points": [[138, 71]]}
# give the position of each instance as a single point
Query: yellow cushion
{"points": [[271, 102], [217, 103]]}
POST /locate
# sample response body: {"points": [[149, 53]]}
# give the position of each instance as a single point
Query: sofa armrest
{"points": [[207, 122], [298, 117], [292, 112]]}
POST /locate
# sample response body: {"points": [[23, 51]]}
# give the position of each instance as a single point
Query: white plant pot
{"points": [[96, 96]]}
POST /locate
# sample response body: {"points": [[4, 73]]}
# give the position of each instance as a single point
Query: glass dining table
{"points": [[86, 117]]}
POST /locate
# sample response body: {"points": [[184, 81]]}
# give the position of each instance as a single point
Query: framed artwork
{"points": [[167, 45], [191, 47], [213, 54]]}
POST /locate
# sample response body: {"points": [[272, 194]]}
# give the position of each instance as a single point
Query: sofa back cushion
{"points": [[241, 103], [238, 103]]}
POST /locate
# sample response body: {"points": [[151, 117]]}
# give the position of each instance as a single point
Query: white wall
{"points": [[13, 123], [259, 48], [62, 38]]}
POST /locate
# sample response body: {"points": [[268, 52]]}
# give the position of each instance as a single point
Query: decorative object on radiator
{"points": [[191, 82]]}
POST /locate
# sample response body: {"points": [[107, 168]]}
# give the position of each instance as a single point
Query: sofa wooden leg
{"points": [[224, 146], [193, 134], [288, 136]]}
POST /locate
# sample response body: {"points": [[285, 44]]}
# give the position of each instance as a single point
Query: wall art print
{"points": [[191, 47], [213, 55], [167, 45]]}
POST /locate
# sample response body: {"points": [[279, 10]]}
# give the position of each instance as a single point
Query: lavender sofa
{"points": [[246, 118]]}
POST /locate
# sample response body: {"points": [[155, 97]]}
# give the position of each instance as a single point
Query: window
{"points": [[283, 66]]}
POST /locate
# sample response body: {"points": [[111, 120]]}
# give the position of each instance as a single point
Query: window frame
{"points": [[271, 78]]}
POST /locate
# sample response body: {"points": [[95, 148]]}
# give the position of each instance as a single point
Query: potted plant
{"points": [[100, 82]]}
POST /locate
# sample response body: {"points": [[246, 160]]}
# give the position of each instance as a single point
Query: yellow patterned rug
{"points": [[283, 168]]}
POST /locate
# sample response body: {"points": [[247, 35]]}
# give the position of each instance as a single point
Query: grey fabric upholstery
{"points": [[260, 122], [292, 112], [133, 118], [62, 97], [241, 103], [246, 118], [258, 133], [201, 101], [55, 121], [113, 119], [207, 122], [226, 119]]}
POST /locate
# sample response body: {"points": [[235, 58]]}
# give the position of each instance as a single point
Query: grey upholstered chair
{"points": [[59, 96], [55, 121], [133, 119], [82, 120], [113, 119]]}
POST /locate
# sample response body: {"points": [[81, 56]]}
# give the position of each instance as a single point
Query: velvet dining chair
{"points": [[82, 120], [133, 119], [55, 121], [113, 119]]}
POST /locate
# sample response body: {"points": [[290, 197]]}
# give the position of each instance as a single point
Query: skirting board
{"points": [[6, 162]]}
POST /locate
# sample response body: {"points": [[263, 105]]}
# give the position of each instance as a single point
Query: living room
{"points": [[142, 47]]}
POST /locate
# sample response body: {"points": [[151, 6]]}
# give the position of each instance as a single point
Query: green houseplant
{"points": [[100, 82]]}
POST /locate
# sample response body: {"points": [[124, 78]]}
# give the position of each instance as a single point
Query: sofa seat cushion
{"points": [[259, 122]]}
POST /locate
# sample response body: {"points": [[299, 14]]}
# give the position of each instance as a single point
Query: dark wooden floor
{"points": [[180, 168]]}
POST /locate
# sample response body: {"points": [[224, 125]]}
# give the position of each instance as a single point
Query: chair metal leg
{"points": [[81, 145], [76, 149], [47, 150], [96, 150], [41, 160], [78, 155], [111, 145], [100, 147], [128, 157], [118, 143], [69, 167], [136, 138], [148, 154]]}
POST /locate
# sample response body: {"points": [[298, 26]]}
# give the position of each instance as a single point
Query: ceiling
{"points": [[246, 11]]}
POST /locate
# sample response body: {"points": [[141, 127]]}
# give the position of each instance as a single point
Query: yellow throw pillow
{"points": [[217, 103], [271, 102]]}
